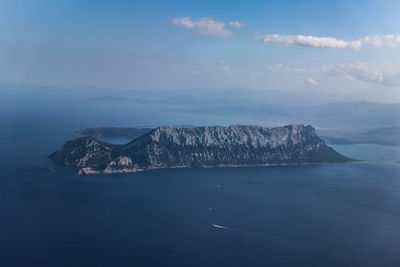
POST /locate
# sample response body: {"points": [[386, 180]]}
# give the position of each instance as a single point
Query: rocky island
{"points": [[211, 146]]}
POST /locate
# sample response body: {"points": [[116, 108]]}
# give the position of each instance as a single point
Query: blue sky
{"points": [[204, 44]]}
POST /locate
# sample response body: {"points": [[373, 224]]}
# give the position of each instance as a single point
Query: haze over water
{"points": [[344, 214], [67, 65]]}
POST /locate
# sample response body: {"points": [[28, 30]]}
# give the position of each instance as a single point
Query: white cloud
{"points": [[204, 25], [387, 75], [209, 26], [382, 40], [236, 24], [305, 40], [331, 42], [368, 73], [312, 82]]}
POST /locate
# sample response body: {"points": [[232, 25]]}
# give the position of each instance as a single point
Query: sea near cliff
{"points": [[315, 215]]}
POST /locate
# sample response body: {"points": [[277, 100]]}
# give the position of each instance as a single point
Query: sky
{"points": [[335, 47]]}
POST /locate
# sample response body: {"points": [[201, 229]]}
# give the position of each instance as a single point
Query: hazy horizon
{"points": [[87, 180], [344, 49]]}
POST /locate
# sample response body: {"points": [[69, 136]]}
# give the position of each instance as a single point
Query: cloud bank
{"points": [[207, 26], [386, 75], [331, 42], [236, 24], [311, 82]]}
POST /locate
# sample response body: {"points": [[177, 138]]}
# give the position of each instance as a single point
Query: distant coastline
{"points": [[387, 136]]}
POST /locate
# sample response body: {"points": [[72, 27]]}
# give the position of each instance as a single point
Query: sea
{"points": [[314, 215]]}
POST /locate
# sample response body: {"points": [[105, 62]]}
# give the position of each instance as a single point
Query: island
{"points": [[210, 146]]}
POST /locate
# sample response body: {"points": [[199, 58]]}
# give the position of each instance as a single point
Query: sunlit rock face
{"points": [[211, 146]]}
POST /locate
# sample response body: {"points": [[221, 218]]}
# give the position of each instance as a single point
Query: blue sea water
{"points": [[316, 215]]}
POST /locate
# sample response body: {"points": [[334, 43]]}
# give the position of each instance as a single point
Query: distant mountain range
{"points": [[346, 117], [332, 115], [213, 146], [389, 136], [114, 132], [271, 107]]}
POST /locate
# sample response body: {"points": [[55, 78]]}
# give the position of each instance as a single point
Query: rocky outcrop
{"points": [[213, 146]]}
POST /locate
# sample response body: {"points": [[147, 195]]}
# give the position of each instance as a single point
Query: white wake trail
{"points": [[298, 244], [231, 229], [222, 227]]}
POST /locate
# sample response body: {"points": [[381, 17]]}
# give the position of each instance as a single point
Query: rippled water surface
{"points": [[316, 215]]}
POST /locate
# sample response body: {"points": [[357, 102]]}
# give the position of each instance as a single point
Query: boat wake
{"points": [[231, 229], [221, 227], [298, 244]]}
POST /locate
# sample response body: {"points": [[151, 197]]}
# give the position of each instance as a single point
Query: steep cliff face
{"points": [[213, 146]]}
